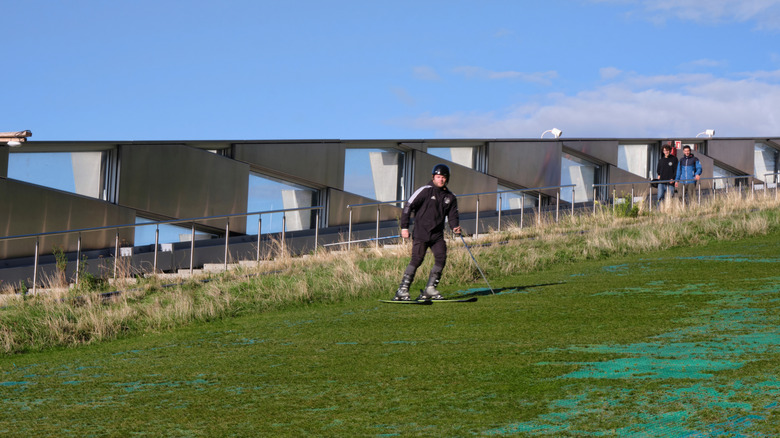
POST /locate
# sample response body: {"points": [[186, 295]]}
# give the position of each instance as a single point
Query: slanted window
{"points": [[515, 200], [634, 158], [268, 194], [81, 173], [374, 173], [169, 233], [766, 163], [582, 173]]}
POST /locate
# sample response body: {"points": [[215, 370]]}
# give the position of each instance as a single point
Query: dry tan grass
{"points": [[72, 317]]}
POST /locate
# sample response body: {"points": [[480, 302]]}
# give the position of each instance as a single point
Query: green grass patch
{"points": [[677, 342]]}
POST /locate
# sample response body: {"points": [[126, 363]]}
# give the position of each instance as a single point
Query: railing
{"points": [[689, 181], [368, 204], [522, 209], [191, 221], [350, 207], [766, 183], [500, 208], [633, 185]]}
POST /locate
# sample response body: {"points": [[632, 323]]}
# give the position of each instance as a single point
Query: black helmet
{"points": [[441, 169]]}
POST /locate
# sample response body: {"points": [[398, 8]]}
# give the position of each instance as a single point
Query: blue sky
{"points": [[256, 69]]}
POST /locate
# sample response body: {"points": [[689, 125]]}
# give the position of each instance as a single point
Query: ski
{"points": [[429, 302], [424, 303], [456, 300]]}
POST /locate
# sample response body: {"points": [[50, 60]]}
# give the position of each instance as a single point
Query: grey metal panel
{"points": [[4, 161], [527, 164], [618, 175], [30, 209], [321, 163], [602, 150], [462, 181], [707, 164], [178, 181], [738, 154], [338, 214]]}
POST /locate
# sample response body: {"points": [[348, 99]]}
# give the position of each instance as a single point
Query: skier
{"points": [[430, 205]]}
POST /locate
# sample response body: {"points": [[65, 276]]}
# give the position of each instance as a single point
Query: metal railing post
{"points": [[500, 207], [78, 258], [259, 233], [698, 193], [227, 237], [522, 209], [614, 199], [573, 193], [316, 230], [349, 231], [116, 253], [156, 247], [35, 266], [192, 248], [594, 200], [377, 226], [539, 211], [477, 224], [284, 233], [557, 204], [632, 196]]}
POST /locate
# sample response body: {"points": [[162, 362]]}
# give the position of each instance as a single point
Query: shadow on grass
{"points": [[481, 292]]}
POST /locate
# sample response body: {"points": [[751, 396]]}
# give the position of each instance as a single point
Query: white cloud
{"points": [[503, 33], [633, 107], [425, 73], [609, 72], [544, 78], [703, 63], [404, 96], [765, 13]]}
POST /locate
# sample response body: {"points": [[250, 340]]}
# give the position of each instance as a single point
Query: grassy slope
{"points": [[662, 344]]}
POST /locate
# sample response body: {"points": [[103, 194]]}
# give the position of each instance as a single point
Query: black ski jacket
{"points": [[666, 168], [430, 206]]}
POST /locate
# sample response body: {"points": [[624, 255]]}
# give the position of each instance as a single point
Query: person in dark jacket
{"points": [[430, 204], [666, 170], [688, 174]]}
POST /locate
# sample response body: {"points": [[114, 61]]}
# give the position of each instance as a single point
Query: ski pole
{"points": [[475, 263]]}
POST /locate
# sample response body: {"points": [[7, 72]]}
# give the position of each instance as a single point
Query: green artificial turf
{"points": [[683, 342]]}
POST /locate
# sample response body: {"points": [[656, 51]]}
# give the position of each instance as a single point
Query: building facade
{"points": [[57, 186]]}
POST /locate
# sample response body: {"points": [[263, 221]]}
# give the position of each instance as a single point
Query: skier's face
{"points": [[439, 180]]}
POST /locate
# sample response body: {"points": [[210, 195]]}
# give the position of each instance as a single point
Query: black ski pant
{"points": [[439, 250]]}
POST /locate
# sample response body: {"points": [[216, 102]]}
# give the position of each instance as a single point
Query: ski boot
{"points": [[430, 292], [402, 294]]}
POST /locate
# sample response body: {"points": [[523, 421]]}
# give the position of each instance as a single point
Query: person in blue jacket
{"points": [[688, 174]]}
